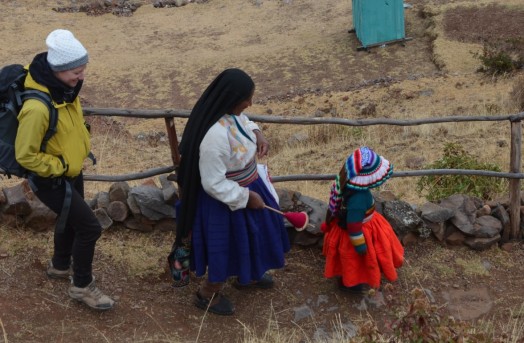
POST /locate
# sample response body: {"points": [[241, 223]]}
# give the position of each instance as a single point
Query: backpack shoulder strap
{"points": [[53, 113]]}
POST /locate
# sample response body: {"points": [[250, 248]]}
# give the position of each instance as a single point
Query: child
{"points": [[359, 243]]}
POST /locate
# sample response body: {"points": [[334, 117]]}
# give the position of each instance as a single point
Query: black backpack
{"points": [[12, 96]]}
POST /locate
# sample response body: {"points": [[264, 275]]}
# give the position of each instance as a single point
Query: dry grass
{"points": [[322, 149], [517, 94], [129, 146], [138, 254]]}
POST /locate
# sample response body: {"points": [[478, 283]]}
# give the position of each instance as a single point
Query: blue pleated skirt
{"points": [[244, 243]]}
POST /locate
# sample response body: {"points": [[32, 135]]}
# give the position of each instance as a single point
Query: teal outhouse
{"points": [[378, 22]]}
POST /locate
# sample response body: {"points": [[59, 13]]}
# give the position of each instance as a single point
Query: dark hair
{"points": [[226, 91]]}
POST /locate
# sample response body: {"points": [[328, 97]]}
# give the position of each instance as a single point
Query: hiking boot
{"points": [[54, 273], [91, 296], [219, 304], [265, 282]]}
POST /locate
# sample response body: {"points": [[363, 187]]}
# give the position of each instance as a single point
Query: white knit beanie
{"points": [[65, 52]]}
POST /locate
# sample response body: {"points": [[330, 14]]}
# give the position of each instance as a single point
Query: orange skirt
{"points": [[384, 254]]}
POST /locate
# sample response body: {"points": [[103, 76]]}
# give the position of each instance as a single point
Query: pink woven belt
{"points": [[244, 176]]}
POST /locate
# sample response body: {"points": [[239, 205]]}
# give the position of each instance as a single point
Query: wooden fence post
{"points": [[173, 145], [173, 140], [514, 184]]}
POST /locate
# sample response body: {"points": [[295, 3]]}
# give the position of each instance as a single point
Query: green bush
{"points": [[442, 186], [501, 57]]}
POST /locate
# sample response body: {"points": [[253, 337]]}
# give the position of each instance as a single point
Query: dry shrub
{"points": [[517, 93]]}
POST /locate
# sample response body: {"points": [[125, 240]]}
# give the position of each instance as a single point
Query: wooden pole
{"points": [[175, 153], [514, 184], [173, 140], [273, 209]]}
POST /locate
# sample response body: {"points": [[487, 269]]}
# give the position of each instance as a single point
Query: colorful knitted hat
{"points": [[362, 170], [366, 169], [64, 51]]}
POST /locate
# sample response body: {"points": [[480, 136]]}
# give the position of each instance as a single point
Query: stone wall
{"points": [[456, 220]]}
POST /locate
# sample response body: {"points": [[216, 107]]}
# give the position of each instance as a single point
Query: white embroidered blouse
{"points": [[224, 149]]}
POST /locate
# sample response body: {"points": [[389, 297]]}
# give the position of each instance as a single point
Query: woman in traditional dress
{"points": [[223, 227]]}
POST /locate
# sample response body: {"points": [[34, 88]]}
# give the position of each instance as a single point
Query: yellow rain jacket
{"points": [[71, 140]]}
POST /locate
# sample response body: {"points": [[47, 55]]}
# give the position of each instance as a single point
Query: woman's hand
{"points": [[255, 201], [262, 144]]}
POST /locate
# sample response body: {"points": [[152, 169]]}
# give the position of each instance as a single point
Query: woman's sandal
{"points": [[222, 305]]}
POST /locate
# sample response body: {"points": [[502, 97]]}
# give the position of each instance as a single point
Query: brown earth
{"points": [[303, 61]]}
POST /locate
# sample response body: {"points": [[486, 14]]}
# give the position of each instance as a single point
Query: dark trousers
{"points": [[81, 232]]}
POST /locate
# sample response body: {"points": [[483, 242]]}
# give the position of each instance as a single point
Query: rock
{"points": [[438, 229], [484, 211], [165, 225], [481, 243], [463, 223], [169, 190], [118, 211], [468, 304], [41, 217], [507, 247], [384, 196], [456, 238], [465, 212], [302, 312], [119, 191], [285, 199], [435, 213], [102, 200], [303, 238], [133, 206], [17, 202], [91, 203], [150, 200], [487, 227], [401, 217], [501, 214], [139, 223], [149, 182], [104, 220]]}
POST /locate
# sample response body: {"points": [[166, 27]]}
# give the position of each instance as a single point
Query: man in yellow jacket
{"points": [[56, 173]]}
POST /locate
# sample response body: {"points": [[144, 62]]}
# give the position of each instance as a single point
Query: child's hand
{"points": [[357, 237], [361, 249]]}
